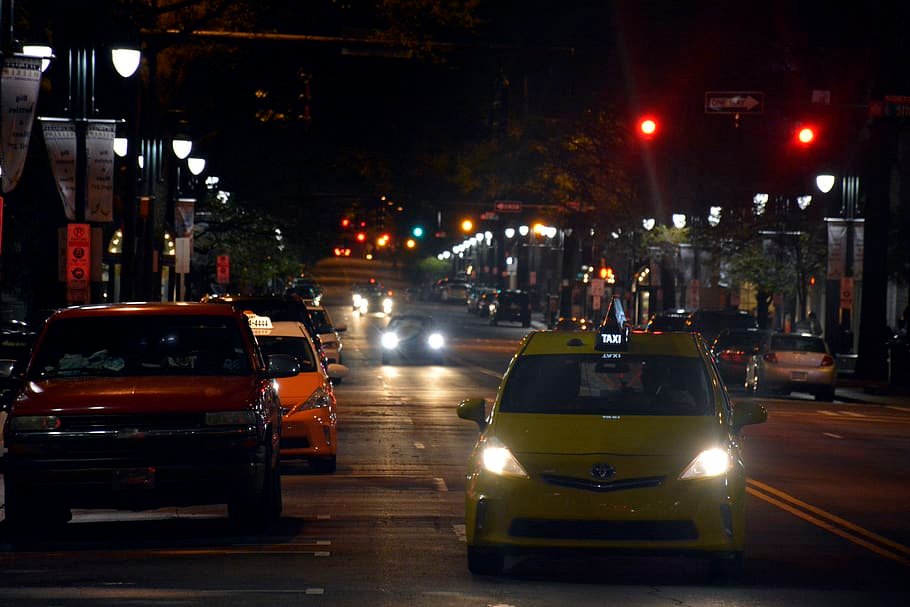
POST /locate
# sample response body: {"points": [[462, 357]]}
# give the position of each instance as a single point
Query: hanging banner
{"points": [[837, 249], [60, 140], [184, 211], [99, 170], [78, 262], [21, 81]]}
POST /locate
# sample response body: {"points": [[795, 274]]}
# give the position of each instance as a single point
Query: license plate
{"points": [[799, 376], [134, 478]]}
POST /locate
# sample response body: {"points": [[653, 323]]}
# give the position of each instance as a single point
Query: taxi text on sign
{"points": [[78, 262], [223, 269]]}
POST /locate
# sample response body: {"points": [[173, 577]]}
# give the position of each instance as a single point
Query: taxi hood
{"points": [[137, 395], [614, 434]]}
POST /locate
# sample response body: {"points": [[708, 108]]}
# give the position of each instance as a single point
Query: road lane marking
{"points": [[853, 414], [896, 408], [460, 533], [419, 445], [831, 413], [440, 485], [830, 522], [832, 435]]}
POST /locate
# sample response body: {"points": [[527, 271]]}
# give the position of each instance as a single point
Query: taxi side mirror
{"points": [[746, 413], [474, 409]]}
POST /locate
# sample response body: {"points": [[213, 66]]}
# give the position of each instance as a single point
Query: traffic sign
{"points": [[734, 102], [507, 206]]}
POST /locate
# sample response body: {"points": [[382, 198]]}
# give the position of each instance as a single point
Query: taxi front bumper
{"points": [[669, 516]]}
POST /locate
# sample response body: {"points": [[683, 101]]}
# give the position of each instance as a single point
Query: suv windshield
{"points": [[596, 385], [141, 345]]}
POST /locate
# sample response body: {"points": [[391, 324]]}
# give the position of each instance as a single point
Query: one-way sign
{"points": [[734, 102]]}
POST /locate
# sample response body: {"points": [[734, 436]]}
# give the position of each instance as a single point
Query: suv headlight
{"points": [[708, 464], [495, 457], [34, 423]]}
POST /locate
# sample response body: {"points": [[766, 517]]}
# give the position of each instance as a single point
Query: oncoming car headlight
{"points": [[364, 306], [389, 341], [708, 464], [356, 300], [230, 418], [435, 341], [496, 458], [387, 305]]}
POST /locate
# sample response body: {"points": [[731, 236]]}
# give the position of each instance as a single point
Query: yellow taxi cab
{"points": [[308, 406], [611, 440]]}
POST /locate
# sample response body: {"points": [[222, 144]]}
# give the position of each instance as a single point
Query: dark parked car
{"points": [[668, 320], [141, 406], [711, 322], [511, 306], [731, 352]]}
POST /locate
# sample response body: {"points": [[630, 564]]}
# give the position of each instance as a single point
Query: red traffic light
{"points": [[805, 135], [647, 127], [345, 222], [361, 237]]}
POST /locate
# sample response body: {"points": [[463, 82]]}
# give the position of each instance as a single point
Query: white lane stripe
{"points": [[323, 517], [854, 414], [832, 435], [419, 445], [460, 532], [824, 412], [440, 485], [896, 408]]}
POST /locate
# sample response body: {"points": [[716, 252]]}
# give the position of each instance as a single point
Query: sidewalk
{"points": [[879, 392]]}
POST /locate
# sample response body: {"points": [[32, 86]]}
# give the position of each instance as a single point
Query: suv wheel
{"points": [[260, 509]]}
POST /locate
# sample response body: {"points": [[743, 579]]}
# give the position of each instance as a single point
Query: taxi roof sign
{"points": [[259, 323], [613, 333]]}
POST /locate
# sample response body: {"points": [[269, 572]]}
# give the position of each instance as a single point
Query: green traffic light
{"points": [[417, 231]]}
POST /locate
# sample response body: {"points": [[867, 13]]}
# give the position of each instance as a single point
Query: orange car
{"points": [[308, 426]]}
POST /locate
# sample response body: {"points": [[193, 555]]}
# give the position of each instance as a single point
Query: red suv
{"points": [[141, 406]]}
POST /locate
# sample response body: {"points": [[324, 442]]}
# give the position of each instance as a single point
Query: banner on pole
{"points": [[837, 250], [184, 212], [99, 178], [60, 140], [223, 269], [20, 82]]}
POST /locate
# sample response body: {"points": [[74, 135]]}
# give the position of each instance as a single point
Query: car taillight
{"points": [[771, 357], [733, 356], [827, 361]]}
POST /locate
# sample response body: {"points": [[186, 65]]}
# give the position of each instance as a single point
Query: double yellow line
{"points": [[830, 522]]}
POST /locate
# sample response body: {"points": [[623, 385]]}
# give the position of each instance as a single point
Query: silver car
{"points": [[792, 362]]}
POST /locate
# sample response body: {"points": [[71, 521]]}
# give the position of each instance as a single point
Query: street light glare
{"points": [[824, 183], [126, 61]]}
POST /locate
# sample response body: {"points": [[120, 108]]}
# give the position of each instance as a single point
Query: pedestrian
{"points": [[815, 327]]}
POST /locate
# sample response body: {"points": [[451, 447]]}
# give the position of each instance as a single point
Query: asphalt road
{"points": [[827, 512]]}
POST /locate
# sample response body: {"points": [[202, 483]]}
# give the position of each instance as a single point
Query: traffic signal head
{"points": [[647, 127], [345, 222], [417, 232], [467, 225], [805, 135], [411, 243], [361, 237]]}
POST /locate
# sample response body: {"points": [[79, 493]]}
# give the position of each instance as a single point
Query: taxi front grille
{"points": [[604, 486], [94, 423], [604, 530]]}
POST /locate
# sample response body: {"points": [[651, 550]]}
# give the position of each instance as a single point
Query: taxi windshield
{"points": [[298, 347], [602, 384], [141, 345]]}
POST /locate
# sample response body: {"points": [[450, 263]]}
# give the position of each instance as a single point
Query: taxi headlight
{"points": [[230, 418], [317, 400], [387, 305], [34, 423], [435, 341], [389, 341], [496, 458], [708, 464]]}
